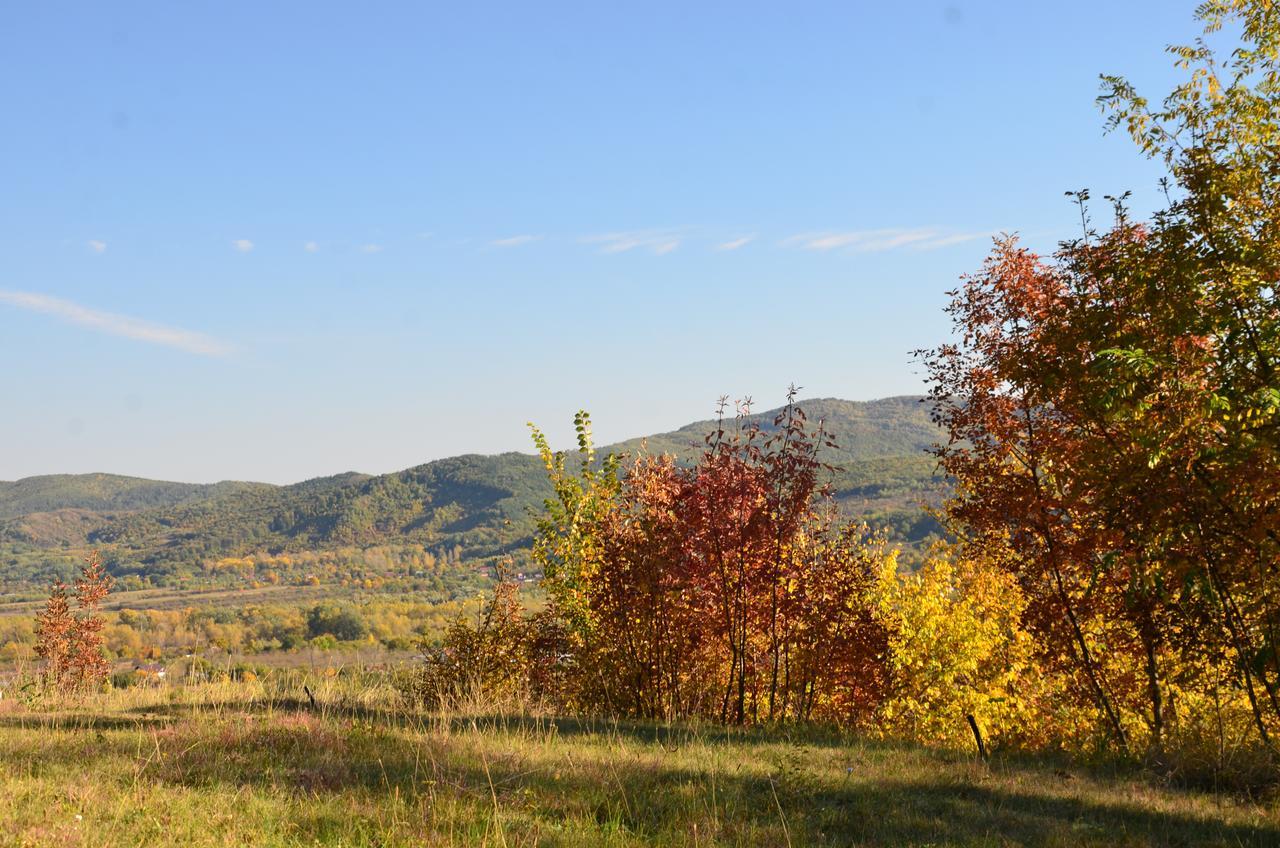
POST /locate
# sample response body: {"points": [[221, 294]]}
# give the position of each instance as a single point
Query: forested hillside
{"points": [[471, 506], [104, 493]]}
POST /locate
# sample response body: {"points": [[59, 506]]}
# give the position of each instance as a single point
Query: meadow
{"points": [[256, 763]]}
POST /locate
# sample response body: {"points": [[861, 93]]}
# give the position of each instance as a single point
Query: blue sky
{"points": [[278, 240]]}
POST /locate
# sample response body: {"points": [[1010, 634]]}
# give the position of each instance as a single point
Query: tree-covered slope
{"points": [[470, 506], [863, 430], [103, 493], [462, 503]]}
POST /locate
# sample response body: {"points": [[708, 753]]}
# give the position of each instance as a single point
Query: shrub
{"points": [[489, 661], [71, 644], [340, 622]]}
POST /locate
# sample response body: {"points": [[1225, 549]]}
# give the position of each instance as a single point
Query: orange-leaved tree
{"points": [[724, 588], [71, 644], [1113, 412], [55, 633]]}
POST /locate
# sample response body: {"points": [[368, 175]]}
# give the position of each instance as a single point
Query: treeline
{"points": [[731, 590], [376, 568], [392, 596], [409, 568], [162, 635]]}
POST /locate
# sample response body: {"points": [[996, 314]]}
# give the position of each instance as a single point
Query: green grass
{"points": [[238, 764]]}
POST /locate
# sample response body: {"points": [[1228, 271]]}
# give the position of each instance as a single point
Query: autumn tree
{"points": [[1219, 246], [71, 644], [650, 654], [55, 636], [88, 661], [958, 649], [1113, 411], [725, 588], [567, 544]]}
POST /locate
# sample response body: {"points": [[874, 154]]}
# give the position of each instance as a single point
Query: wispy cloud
{"points": [[370, 248], [958, 238], [658, 242], [242, 245], [114, 324], [514, 241], [311, 247], [734, 244], [97, 245], [879, 241]]}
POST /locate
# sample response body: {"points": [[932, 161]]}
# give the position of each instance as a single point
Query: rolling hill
{"points": [[104, 493], [472, 506]]}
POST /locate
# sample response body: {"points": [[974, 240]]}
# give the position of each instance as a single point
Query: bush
{"points": [[342, 623], [486, 660], [124, 679]]}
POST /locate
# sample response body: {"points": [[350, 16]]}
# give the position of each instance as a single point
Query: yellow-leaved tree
{"points": [[957, 649]]}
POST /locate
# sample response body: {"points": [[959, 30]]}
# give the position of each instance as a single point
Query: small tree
{"points": [[72, 645], [89, 664], [958, 649], [55, 630]]}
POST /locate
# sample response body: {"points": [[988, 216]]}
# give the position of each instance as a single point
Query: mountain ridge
{"points": [[807, 404], [474, 506]]}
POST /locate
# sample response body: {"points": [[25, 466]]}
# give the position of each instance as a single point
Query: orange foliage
{"points": [[72, 644]]}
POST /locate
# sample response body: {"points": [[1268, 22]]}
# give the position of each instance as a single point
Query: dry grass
{"points": [[242, 764]]}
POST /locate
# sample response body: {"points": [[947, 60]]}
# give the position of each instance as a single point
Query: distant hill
{"points": [[895, 426], [883, 471], [466, 506], [104, 493]]}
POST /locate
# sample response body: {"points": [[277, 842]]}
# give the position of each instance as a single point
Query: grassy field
{"points": [[239, 764]]}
